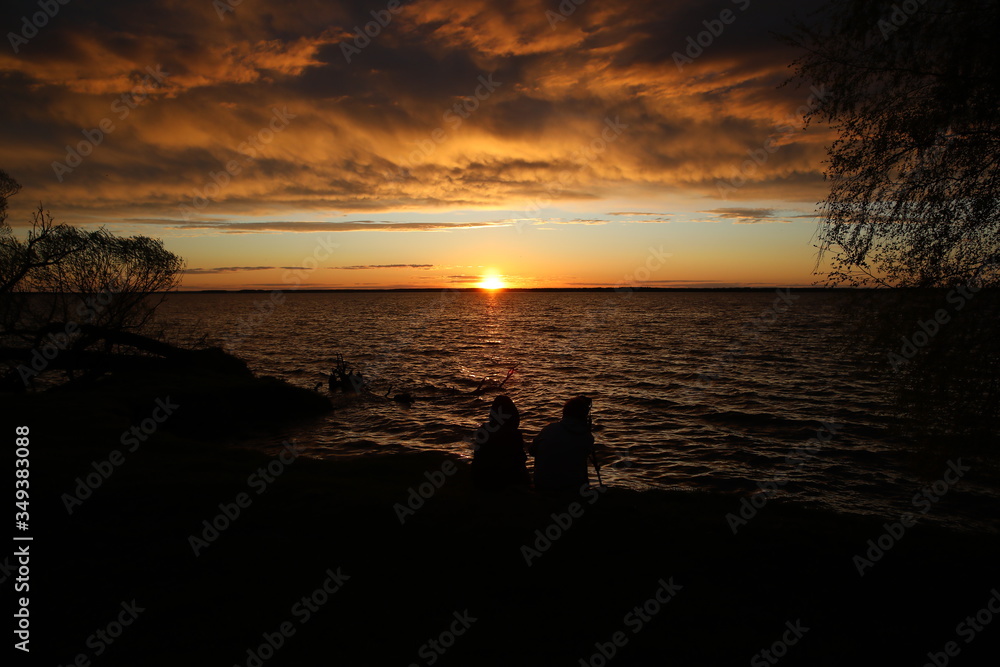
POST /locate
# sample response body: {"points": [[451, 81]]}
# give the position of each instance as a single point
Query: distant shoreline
{"points": [[598, 290], [356, 290]]}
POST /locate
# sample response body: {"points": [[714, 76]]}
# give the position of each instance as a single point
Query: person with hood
{"points": [[561, 450], [498, 459]]}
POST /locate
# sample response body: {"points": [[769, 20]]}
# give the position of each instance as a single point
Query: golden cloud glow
{"points": [[382, 131], [583, 112]]}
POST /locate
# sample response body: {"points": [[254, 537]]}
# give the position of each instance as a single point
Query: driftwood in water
{"points": [[480, 390], [344, 378]]}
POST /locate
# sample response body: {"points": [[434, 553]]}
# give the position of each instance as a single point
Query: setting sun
{"points": [[492, 282]]}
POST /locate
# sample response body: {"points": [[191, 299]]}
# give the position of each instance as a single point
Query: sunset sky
{"points": [[271, 146]]}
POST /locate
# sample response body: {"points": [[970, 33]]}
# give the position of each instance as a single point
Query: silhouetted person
{"points": [[561, 450], [499, 459]]}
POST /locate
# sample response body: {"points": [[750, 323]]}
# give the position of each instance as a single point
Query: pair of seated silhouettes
{"points": [[561, 450]]}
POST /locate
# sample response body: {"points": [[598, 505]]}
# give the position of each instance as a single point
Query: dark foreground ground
{"points": [[398, 586]]}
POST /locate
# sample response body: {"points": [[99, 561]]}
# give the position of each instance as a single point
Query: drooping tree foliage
{"points": [[69, 297], [915, 171], [914, 200], [8, 188]]}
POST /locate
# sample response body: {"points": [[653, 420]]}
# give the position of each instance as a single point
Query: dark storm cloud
{"points": [[743, 213], [743, 216]]}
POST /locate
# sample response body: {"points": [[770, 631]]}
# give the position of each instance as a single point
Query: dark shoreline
{"points": [[460, 550]]}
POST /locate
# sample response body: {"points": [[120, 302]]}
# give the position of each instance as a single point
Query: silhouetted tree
{"points": [[76, 291], [8, 188], [915, 171]]}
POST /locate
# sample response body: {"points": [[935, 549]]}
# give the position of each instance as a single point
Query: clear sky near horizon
{"points": [[527, 143]]}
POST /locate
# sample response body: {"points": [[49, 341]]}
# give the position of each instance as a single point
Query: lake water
{"points": [[724, 392]]}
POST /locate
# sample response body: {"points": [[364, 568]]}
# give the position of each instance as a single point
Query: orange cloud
{"points": [[580, 110]]}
